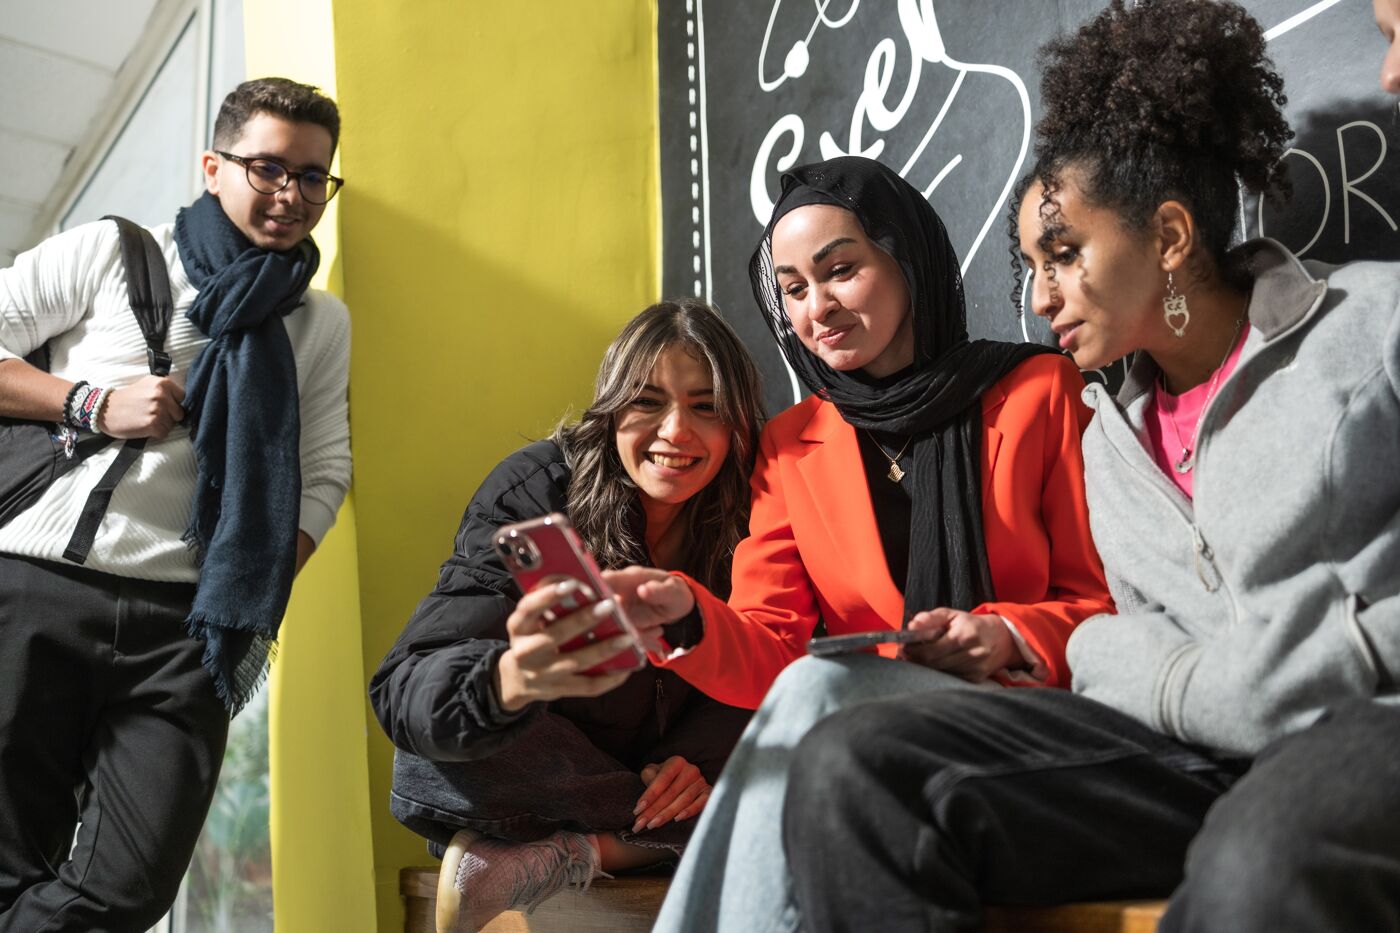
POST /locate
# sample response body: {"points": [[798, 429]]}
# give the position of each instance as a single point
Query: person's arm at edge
{"points": [[325, 427]]}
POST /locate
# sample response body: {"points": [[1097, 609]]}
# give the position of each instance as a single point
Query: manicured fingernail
{"points": [[641, 805], [563, 589], [654, 823], [637, 826], [604, 608]]}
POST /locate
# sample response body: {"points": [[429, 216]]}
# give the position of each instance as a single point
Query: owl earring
{"points": [[1174, 308]]}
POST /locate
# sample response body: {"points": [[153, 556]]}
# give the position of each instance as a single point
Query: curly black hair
{"points": [[1167, 99]]}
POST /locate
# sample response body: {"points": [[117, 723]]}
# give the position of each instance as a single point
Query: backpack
{"points": [[33, 454]]}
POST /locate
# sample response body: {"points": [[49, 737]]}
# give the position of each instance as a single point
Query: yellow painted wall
{"points": [[499, 224], [322, 855]]}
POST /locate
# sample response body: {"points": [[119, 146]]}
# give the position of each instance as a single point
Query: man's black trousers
{"points": [[106, 719]]}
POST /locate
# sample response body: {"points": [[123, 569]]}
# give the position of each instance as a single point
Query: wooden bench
{"points": [[630, 905]]}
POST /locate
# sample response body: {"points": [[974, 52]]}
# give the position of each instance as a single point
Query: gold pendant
{"points": [[895, 474]]}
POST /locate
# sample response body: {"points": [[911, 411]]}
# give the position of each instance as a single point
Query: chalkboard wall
{"points": [[946, 92]]}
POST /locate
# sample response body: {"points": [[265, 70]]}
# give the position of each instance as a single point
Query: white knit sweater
{"points": [[70, 290]]}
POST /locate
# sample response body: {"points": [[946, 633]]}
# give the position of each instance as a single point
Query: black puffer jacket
{"points": [[433, 692]]}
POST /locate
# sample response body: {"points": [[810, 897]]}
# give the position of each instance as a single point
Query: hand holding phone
{"points": [[538, 667], [547, 550], [970, 646]]}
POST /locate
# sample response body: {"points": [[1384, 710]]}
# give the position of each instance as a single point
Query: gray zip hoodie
{"points": [[1276, 593]]}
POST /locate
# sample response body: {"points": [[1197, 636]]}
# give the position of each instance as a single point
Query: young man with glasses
{"points": [[118, 674]]}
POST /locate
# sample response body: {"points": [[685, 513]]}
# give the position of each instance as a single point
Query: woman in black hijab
{"points": [[930, 482]]}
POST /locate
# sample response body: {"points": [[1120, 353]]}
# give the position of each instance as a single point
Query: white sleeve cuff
{"points": [[316, 518], [1038, 672]]}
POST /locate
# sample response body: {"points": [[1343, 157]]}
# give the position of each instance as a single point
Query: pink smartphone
{"points": [[549, 547]]}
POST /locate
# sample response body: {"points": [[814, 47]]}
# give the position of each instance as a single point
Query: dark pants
{"points": [[108, 719], [918, 811], [551, 777]]}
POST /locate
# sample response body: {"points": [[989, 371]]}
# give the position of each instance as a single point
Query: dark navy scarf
{"points": [[241, 406]]}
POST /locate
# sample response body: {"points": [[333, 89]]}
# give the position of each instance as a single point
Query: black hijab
{"points": [[936, 401]]}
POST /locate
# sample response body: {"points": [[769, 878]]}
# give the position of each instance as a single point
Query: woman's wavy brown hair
{"points": [[604, 503]]}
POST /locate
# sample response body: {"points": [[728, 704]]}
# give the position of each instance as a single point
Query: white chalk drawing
{"points": [[699, 148], [918, 22], [873, 121], [1298, 19], [1326, 200], [923, 44], [1349, 188], [799, 56], [1349, 185]]}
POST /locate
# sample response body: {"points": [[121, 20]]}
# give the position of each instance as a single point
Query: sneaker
{"points": [[482, 876]]}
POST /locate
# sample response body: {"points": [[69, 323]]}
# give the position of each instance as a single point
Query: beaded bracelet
{"points": [[69, 408], [97, 407]]}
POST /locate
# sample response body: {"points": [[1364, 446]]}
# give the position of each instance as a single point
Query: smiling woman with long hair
{"points": [[524, 772]]}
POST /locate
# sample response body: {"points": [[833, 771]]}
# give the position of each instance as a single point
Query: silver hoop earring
{"points": [[1174, 306]]}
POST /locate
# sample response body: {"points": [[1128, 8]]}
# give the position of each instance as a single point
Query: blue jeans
{"points": [[734, 875], [920, 812]]}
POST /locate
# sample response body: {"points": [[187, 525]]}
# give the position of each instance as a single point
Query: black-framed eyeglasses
{"points": [[269, 177]]}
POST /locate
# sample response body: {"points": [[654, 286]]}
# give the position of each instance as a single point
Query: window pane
{"points": [[150, 170], [226, 64], [229, 886]]}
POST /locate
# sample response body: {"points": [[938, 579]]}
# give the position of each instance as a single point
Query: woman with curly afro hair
{"points": [[1231, 738]]}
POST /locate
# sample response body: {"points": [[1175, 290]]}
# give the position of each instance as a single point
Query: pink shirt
{"points": [[1172, 419]]}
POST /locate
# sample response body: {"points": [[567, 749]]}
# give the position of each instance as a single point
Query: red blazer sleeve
{"points": [[772, 612], [1065, 566]]}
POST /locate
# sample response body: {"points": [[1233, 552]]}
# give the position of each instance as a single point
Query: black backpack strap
{"points": [[85, 532], [148, 290]]}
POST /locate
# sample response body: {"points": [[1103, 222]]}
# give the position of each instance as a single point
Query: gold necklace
{"points": [[1187, 461], [895, 474]]}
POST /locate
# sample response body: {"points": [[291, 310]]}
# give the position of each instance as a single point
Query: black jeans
{"points": [[106, 717], [551, 777], [919, 811]]}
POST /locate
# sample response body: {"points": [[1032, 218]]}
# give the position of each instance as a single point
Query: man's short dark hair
{"points": [[280, 97]]}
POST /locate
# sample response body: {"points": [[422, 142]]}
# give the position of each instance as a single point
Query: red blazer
{"points": [[813, 550]]}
